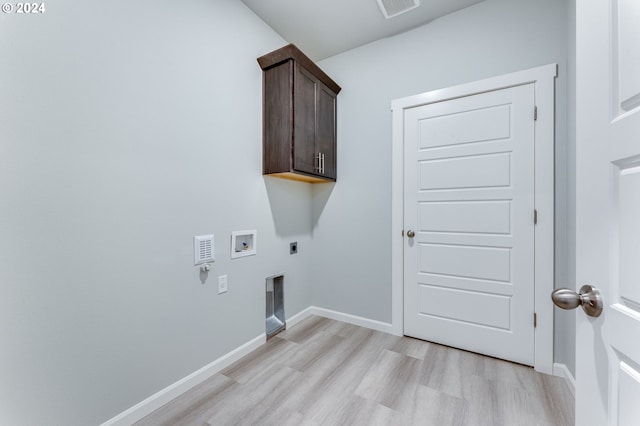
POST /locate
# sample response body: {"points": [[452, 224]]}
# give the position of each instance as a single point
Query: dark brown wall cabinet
{"points": [[299, 117]]}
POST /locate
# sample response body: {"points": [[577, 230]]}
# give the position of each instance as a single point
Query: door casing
{"points": [[543, 79]]}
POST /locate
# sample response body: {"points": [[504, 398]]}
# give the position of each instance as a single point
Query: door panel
{"points": [[461, 305], [626, 64], [608, 210], [469, 185], [483, 217], [628, 386], [485, 263], [472, 171], [627, 181], [466, 127]]}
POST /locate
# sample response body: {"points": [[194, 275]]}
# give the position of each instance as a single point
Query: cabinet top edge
{"points": [[290, 51]]}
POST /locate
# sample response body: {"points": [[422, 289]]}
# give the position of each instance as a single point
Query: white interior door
{"points": [[468, 214], [608, 211]]}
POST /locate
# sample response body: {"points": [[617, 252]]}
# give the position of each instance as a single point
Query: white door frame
{"points": [[544, 86]]}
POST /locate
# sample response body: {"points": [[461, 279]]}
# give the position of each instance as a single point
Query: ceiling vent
{"points": [[392, 8]]}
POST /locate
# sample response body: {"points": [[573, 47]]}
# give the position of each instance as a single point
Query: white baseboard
{"points": [[300, 316], [171, 392], [352, 319], [561, 370], [339, 316]]}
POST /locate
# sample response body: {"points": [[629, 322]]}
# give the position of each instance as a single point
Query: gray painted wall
{"points": [[126, 128], [353, 227]]}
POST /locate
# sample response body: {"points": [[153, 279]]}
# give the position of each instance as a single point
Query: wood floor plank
{"points": [[266, 394], [189, 408], [249, 366], [325, 372], [360, 411], [315, 351], [305, 330], [411, 347], [433, 408], [391, 380]]}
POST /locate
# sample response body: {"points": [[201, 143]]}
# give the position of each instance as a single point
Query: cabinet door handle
{"points": [[319, 160]]}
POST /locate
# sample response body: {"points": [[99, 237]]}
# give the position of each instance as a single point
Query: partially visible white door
{"points": [[608, 211], [469, 210]]}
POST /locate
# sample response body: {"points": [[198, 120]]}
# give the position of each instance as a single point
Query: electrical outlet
{"points": [[293, 247], [222, 284]]}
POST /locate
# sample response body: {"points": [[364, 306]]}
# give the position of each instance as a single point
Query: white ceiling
{"points": [[323, 28]]}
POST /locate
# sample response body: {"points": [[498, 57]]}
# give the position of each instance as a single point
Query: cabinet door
{"points": [[326, 130], [304, 112], [277, 121]]}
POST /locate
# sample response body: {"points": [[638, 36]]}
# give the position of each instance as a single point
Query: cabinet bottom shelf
{"points": [[299, 177]]}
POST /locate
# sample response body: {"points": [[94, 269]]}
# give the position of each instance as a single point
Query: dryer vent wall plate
{"points": [[204, 249], [393, 8]]}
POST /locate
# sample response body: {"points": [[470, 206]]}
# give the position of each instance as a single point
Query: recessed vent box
{"points": [[275, 321]]}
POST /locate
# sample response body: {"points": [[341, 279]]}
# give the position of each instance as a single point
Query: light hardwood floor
{"points": [[325, 372]]}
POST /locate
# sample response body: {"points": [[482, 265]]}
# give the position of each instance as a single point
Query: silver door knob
{"points": [[589, 298], [411, 234]]}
